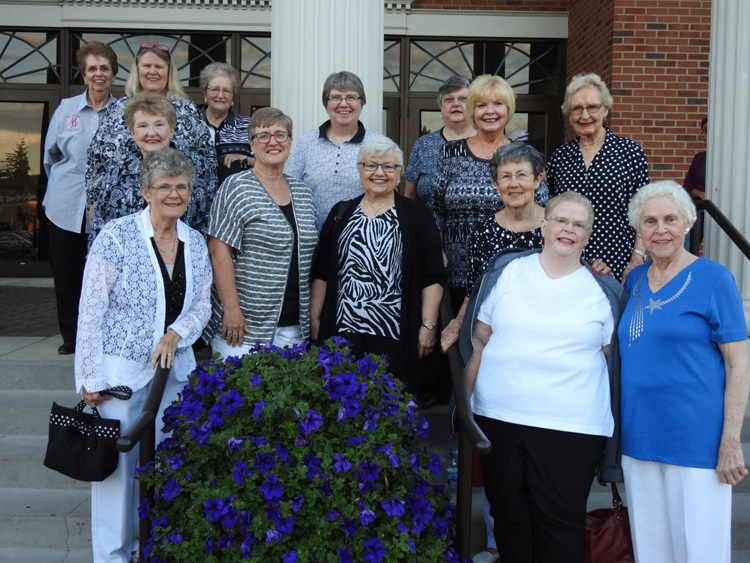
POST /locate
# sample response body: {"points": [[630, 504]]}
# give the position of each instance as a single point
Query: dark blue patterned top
{"points": [[423, 162]]}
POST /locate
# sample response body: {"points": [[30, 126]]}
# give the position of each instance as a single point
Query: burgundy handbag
{"points": [[607, 534]]}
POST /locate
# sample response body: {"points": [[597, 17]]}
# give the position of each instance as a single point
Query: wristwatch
{"points": [[644, 255], [429, 326]]}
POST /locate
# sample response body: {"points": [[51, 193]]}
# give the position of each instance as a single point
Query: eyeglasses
{"points": [[592, 110], [217, 91], [388, 167], [350, 99], [166, 190], [154, 47], [265, 138], [521, 178], [562, 222], [450, 100]]}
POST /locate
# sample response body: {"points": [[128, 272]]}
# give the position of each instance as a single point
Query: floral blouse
{"points": [[423, 162], [114, 165], [618, 170], [463, 195]]}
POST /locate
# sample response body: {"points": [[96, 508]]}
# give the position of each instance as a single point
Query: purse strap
{"points": [[616, 499], [120, 392]]}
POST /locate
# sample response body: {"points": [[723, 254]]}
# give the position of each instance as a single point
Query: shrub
{"points": [[296, 455]]}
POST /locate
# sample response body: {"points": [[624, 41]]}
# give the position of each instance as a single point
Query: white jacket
{"points": [[122, 309]]}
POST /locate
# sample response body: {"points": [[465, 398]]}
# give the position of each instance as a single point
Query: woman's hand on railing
{"points": [[450, 335], [166, 350]]}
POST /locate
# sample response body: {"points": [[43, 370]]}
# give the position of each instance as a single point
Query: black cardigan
{"points": [[422, 266]]}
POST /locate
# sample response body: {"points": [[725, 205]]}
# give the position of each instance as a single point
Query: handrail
{"points": [[142, 430], [470, 437], [726, 225]]}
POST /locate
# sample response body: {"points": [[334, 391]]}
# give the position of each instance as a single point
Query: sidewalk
{"points": [[27, 308]]}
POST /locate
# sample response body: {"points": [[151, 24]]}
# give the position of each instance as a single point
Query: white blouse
{"points": [[122, 309]]}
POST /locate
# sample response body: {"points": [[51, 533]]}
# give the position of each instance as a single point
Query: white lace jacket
{"points": [[122, 308]]}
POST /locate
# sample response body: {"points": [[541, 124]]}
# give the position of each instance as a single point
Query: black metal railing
{"points": [[725, 224], [142, 431], [470, 437]]}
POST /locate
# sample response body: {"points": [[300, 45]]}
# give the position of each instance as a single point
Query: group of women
{"points": [[318, 242]]}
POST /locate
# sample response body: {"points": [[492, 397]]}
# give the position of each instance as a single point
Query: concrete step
{"points": [[53, 373], [47, 520], [24, 412], [23, 555], [21, 465]]}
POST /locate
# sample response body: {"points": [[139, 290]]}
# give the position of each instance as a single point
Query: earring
{"points": [[639, 235], [687, 230], [205, 101]]}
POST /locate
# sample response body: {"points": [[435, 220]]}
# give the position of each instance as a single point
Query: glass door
{"points": [[23, 226]]}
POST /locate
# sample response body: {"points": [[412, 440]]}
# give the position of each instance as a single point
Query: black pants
{"points": [[67, 256], [537, 482]]}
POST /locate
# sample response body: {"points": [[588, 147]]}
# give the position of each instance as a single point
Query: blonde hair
{"points": [[174, 88], [581, 81], [483, 85]]}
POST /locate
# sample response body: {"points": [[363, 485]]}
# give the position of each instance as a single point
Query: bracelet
{"points": [[644, 255], [429, 326]]}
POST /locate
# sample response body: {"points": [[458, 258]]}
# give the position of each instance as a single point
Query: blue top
{"points": [[423, 162], [672, 369]]}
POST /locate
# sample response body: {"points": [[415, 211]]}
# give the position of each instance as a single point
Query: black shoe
{"points": [[67, 349], [426, 401]]}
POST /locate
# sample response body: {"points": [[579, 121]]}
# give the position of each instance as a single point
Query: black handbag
{"points": [[82, 445], [608, 534]]}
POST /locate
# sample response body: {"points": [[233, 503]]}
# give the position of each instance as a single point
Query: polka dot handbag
{"points": [[81, 445]]}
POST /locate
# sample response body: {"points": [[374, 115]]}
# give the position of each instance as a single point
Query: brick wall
{"points": [[657, 69], [514, 5]]}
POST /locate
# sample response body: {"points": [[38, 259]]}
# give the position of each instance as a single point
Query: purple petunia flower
{"points": [[215, 415], [369, 471], [209, 382], [271, 488], [311, 422], [234, 444], [200, 435], [435, 466], [232, 401], [265, 462], [371, 421], [171, 489], [366, 516], [356, 440], [393, 507], [374, 550], [340, 341], [313, 464], [286, 525], [332, 515], [283, 454], [349, 527], [297, 503], [144, 507], [341, 386], [290, 557], [230, 518], [340, 464], [272, 536], [344, 555], [258, 441], [175, 537], [216, 508], [174, 462], [255, 379], [258, 408], [225, 541]]}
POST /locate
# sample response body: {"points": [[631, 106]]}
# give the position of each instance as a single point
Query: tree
{"points": [[17, 166]]}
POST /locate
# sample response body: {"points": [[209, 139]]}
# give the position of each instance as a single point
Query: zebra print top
{"points": [[369, 272]]}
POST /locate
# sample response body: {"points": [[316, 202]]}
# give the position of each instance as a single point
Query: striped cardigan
{"points": [[245, 217]]}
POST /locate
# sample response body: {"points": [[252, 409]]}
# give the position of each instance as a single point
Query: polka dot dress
{"points": [[618, 170], [488, 238]]}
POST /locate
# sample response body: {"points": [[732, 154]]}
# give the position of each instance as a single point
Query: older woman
{"points": [[145, 300], [379, 273], [326, 158], [219, 83], [463, 192], [151, 120], [685, 380], [114, 153], [419, 175], [70, 131], [537, 348], [262, 237], [604, 167]]}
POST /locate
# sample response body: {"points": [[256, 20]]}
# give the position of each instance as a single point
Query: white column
{"points": [[310, 39], [728, 163]]}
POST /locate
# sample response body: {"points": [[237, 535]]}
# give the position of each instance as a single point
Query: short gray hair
{"points": [[516, 152], [166, 162], [453, 84], [380, 147], [343, 81], [219, 69], [570, 197], [581, 81], [666, 188]]}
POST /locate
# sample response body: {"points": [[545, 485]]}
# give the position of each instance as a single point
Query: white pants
{"points": [[677, 514], [489, 522], [283, 336], [114, 501]]}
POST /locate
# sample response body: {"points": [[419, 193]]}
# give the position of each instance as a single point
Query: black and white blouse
{"points": [[369, 273], [618, 170], [114, 165], [488, 238], [231, 137]]}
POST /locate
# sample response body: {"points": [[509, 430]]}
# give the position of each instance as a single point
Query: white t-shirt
{"points": [[543, 365]]}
